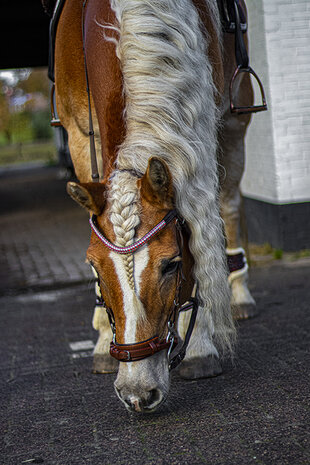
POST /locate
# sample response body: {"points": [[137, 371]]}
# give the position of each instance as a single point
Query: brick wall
{"points": [[278, 142]]}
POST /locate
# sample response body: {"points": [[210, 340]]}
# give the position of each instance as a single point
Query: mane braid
{"points": [[171, 113], [124, 215]]}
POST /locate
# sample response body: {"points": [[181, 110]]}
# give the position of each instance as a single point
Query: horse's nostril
{"points": [[154, 396], [128, 403], [134, 403], [147, 403]]}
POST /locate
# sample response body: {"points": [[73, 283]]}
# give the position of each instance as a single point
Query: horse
{"points": [[170, 156]]}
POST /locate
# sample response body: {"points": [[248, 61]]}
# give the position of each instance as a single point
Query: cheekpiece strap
{"points": [[193, 306]]}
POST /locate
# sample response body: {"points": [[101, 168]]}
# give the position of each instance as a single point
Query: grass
{"points": [[44, 151], [265, 254]]}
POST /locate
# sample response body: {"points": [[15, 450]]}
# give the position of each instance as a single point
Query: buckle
{"points": [[55, 121], [246, 109]]}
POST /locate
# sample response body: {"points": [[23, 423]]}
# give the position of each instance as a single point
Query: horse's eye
{"points": [[170, 266]]}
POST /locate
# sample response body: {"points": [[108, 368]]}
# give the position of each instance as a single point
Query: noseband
{"points": [[141, 350]]}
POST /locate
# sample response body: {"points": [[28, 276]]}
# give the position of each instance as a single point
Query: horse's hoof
{"points": [[103, 364], [197, 367], [244, 311]]}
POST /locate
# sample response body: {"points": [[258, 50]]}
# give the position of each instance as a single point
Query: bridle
{"points": [[141, 350]]}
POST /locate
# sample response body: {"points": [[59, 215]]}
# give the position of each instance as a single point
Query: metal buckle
{"points": [[247, 109], [170, 337], [55, 121]]}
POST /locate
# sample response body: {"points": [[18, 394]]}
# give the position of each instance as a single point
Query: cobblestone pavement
{"points": [[54, 411], [43, 233]]}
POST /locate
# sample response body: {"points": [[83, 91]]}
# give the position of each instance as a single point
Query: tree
{"points": [[36, 82], [5, 117]]}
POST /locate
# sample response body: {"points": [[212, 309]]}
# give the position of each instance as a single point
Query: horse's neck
{"points": [[105, 79]]}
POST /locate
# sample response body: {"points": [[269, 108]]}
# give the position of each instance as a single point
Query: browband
{"points": [[136, 245]]}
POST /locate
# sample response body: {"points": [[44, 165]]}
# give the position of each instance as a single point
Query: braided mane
{"points": [[124, 215]]}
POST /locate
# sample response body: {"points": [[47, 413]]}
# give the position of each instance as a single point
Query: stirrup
{"points": [[55, 121], [247, 109]]}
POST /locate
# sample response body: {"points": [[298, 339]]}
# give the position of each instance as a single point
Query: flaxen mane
{"points": [[171, 114], [124, 215]]}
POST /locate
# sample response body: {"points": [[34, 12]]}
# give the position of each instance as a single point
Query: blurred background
{"points": [[25, 132], [26, 136]]}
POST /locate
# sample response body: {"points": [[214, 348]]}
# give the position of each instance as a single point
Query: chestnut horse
{"points": [[158, 75]]}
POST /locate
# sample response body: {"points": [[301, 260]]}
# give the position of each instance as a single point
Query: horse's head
{"points": [[140, 287]]}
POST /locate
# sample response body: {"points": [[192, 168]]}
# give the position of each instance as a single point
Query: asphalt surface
{"points": [[54, 411]]}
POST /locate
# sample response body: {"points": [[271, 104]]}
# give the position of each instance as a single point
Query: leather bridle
{"points": [[143, 349]]}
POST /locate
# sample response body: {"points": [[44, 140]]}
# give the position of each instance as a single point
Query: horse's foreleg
{"points": [[231, 159], [202, 358], [103, 362]]}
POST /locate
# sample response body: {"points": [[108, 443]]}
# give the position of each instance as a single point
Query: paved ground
{"points": [[43, 233], [55, 412]]}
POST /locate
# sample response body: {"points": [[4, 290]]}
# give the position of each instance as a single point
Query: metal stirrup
{"points": [[243, 66]]}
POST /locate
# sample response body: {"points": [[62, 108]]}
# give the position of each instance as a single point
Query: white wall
{"points": [[278, 141]]}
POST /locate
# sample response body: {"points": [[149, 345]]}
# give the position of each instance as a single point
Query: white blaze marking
{"points": [[133, 309]]}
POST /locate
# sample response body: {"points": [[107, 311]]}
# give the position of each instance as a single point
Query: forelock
{"points": [[124, 214]]}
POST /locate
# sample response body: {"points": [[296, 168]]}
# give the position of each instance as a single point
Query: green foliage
{"points": [[40, 124], [21, 123], [278, 254], [44, 151], [20, 128]]}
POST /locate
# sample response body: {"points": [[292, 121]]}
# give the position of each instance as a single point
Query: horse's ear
{"points": [[90, 195], [156, 184]]}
